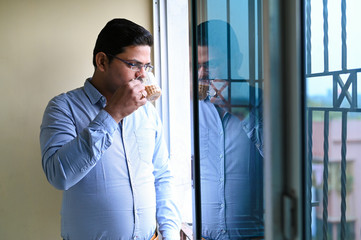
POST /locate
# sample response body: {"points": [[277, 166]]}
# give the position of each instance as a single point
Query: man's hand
{"points": [[126, 99]]}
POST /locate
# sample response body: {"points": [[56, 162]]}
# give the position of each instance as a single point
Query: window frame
{"points": [[284, 119], [283, 105], [171, 61]]}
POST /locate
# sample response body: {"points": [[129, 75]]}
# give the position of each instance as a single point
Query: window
{"points": [[228, 123], [311, 108], [332, 75], [171, 55]]}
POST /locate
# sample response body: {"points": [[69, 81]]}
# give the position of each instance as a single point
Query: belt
{"points": [[155, 236], [260, 238]]}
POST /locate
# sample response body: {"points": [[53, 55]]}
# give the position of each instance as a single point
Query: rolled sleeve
{"points": [[67, 156]]}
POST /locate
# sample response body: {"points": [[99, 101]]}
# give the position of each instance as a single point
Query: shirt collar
{"points": [[93, 94]]}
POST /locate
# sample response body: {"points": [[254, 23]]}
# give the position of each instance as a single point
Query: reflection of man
{"points": [[230, 141], [102, 144]]}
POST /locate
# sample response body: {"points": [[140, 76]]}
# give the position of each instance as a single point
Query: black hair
{"points": [[218, 34], [118, 34]]}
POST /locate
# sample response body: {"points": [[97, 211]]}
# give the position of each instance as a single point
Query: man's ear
{"points": [[101, 60]]}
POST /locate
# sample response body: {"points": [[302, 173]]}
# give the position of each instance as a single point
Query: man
{"points": [[231, 147], [103, 145]]}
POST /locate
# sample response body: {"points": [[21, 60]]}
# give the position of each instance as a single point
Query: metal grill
{"points": [[346, 94]]}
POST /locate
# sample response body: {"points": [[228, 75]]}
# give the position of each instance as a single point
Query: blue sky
{"points": [[321, 86]]}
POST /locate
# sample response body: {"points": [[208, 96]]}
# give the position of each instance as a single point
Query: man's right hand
{"points": [[126, 99]]}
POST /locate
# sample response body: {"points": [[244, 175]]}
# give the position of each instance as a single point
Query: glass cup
{"points": [[151, 87], [203, 89]]}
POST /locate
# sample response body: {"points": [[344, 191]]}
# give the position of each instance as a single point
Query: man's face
{"points": [[120, 72], [211, 64]]}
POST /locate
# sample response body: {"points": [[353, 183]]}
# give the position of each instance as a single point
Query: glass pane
{"points": [[333, 119], [230, 118]]}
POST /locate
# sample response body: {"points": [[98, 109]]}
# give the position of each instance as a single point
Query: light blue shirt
{"points": [[116, 178], [231, 174]]}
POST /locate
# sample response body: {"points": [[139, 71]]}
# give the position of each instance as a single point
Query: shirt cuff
{"points": [[107, 121]]}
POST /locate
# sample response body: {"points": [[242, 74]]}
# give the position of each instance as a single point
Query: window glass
{"points": [[230, 83]]}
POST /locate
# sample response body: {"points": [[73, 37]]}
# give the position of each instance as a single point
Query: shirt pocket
{"points": [[145, 140]]}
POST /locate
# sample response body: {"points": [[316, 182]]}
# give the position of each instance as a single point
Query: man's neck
{"points": [[98, 83]]}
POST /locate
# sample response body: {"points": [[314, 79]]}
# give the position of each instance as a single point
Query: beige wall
{"points": [[46, 49]]}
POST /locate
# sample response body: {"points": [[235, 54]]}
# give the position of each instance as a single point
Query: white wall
{"points": [[45, 49]]}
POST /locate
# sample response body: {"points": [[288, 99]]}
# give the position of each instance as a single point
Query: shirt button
{"points": [[221, 179], [221, 156], [222, 205]]}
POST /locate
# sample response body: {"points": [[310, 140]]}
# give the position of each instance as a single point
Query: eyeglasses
{"points": [[137, 67], [213, 64]]}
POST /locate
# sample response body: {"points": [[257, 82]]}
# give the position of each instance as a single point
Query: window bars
{"points": [[341, 92]]}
